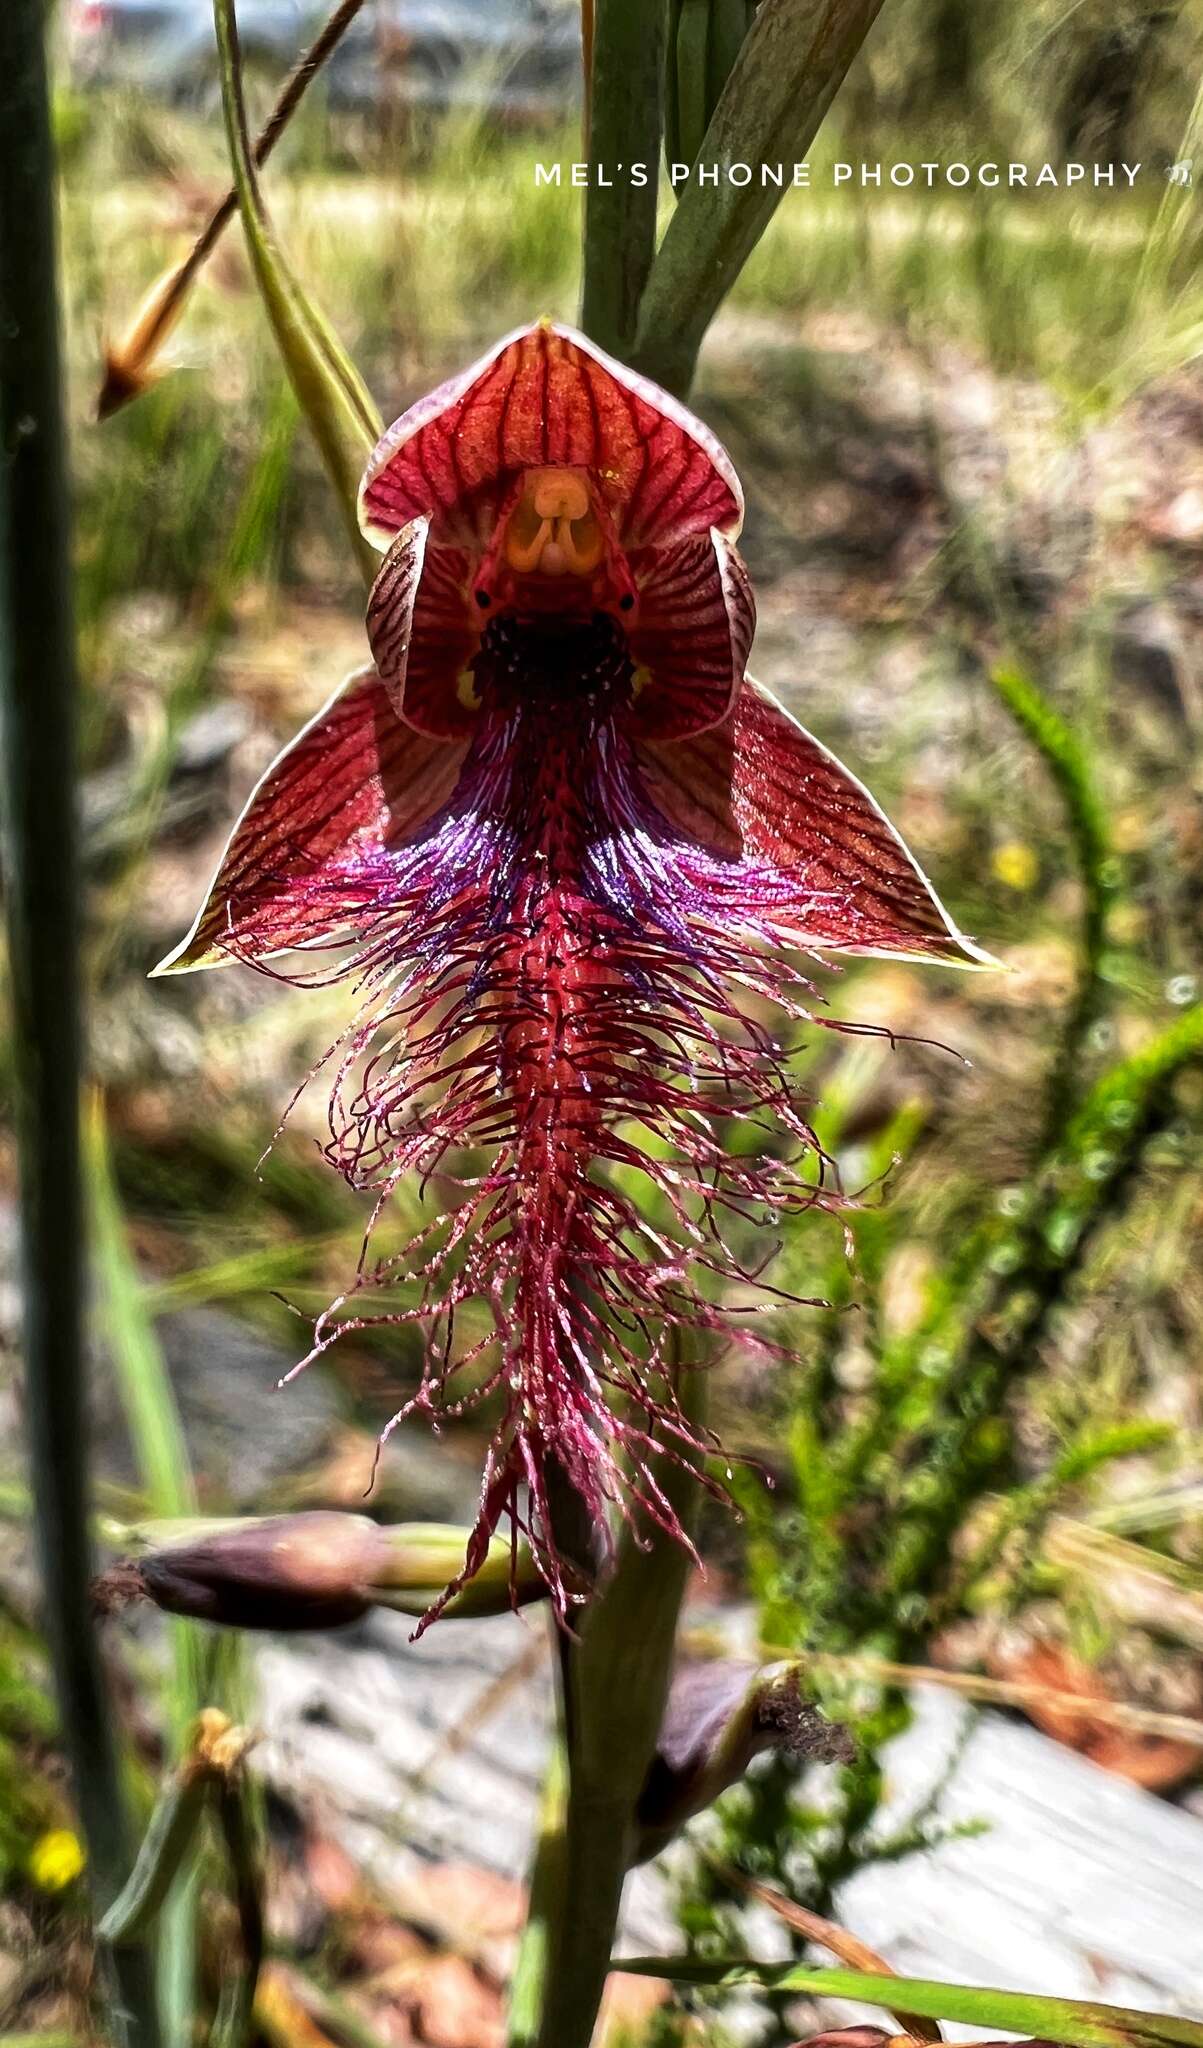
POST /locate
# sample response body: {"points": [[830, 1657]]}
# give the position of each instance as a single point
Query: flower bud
{"points": [[315, 1570], [129, 363], [292, 1571], [855, 2037], [719, 1715]]}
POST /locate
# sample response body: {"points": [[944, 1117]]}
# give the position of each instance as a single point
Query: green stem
{"points": [[237, 1819], [617, 1680], [170, 1837], [791, 65], [529, 1983], [620, 217], [38, 693], [147, 1396]]}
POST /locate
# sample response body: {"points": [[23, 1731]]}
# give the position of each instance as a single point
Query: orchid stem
{"points": [[586, 72], [37, 745], [292, 92], [616, 1685], [528, 1986], [625, 101]]}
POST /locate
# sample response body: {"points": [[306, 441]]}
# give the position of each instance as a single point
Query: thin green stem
{"points": [[627, 89], [147, 1396], [37, 744], [329, 390], [238, 1823]]}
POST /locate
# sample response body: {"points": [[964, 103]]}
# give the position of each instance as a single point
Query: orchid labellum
{"points": [[570, 853]]}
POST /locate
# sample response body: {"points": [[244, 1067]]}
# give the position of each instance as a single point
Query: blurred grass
{"points": [[160, 1450], [207, 1668]]}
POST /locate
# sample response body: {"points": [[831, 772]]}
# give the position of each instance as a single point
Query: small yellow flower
{"points": [[1015, 863], [56, 1860]]}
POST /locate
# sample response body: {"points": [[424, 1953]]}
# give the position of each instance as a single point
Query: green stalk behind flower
{"points": [[329, 389]]}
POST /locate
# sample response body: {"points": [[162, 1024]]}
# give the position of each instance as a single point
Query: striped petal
{"points": [[421, 633], [802, 848], [694, 633], [545, 396], [302, 865]]}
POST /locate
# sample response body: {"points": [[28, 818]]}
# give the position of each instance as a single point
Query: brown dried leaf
{"points": [[1154, 1761]]}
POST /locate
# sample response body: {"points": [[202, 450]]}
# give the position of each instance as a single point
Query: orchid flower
{"points": [[570, 854]]}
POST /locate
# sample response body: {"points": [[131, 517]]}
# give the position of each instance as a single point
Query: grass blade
{"points": [[1074, 2021], [161, 1454]]}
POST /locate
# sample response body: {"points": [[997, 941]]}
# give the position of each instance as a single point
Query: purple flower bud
{"points": [[851, 2037], [720, 1714], [290, 1572], [315, 1570]]}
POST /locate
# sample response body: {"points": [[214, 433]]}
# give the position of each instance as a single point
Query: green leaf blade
{"points": [[1078, 2023]]}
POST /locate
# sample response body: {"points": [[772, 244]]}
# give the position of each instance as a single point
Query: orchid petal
{"points": [[546, 396], [299, 867], [421, 633], [696, 620], [810, 853]]}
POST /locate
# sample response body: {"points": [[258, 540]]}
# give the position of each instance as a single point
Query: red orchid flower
{"points": [[570, 853]]}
